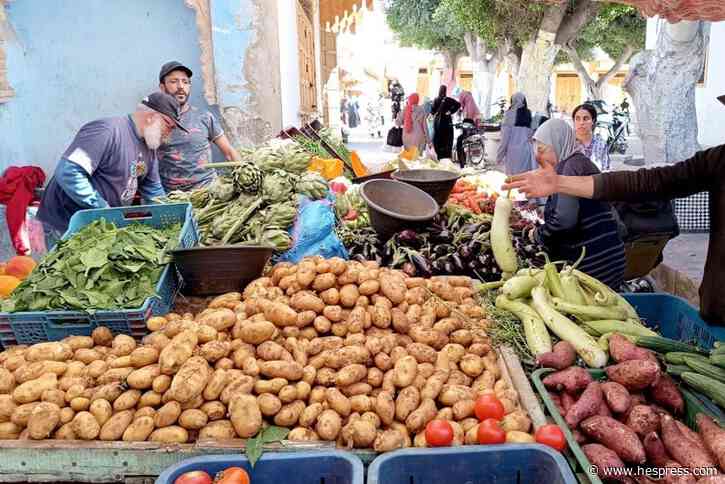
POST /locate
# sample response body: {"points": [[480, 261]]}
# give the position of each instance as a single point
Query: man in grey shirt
{"points": [[182, 158]]}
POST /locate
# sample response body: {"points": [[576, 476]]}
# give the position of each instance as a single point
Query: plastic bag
{"points": [[314, 232]]}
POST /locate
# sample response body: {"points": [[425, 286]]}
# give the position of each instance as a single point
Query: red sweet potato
{"points": [[556, 398], [655, 450], [604, 409], [634, 374], [694, 439], [674, 474], [680, 449], [605, 460], [617, 397], [572, 379], [714, 437], [617, 436], [567, 401], [562, 356], [621, 349], [718, 479], [665, 392], [580, 438], [587, 405], [643, 420]]}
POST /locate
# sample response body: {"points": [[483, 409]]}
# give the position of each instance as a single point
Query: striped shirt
{"points": [[572, 223]]}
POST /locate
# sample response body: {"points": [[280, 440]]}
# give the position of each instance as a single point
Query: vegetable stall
{"points": [[452, 332]]}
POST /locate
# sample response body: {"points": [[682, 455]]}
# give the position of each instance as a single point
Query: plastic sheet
{"points": [[314, 232]]}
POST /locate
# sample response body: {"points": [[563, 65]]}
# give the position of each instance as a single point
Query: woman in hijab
{"points": [[415, 126], [443, 108], [572, 223], [515, 152], [470, 114]]}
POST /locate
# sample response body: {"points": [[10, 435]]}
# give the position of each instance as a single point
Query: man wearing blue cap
{"points": [[183, 156], [107, 162]]}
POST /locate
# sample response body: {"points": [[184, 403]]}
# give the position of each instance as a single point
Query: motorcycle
{"points": [[470, 145], [613, 125]]}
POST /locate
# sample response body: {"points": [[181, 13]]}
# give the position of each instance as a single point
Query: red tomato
{"points": [[552, 436], [193, 477], [438, 433], [351, 214], [488, 406], [490, 432], [232, 475]]}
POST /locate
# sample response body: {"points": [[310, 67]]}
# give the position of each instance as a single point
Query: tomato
{"points": [[490, 432], [488, 406], [438, 433], [232, 475], [193, 477], [552, 436]]}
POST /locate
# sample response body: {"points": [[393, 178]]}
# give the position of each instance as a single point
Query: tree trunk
{"points": [[594, 89], [449, 74], [484, 64], [662, 84]]}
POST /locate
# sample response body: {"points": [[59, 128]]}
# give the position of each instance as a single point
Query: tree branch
{"points": [[578, 64], [471, 46], [617, 65], [584, 11]]}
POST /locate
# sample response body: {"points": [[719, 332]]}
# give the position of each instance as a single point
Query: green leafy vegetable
{"points": [[268, 435]]}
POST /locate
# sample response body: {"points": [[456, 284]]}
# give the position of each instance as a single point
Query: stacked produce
{"points": [[333, 350], [13, 272], [630, 416], [457, 242], [99, 267], [351, 209], [256, 201]]}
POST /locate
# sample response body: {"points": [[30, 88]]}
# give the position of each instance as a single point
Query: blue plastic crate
{"points": [[36, 327], [502, 464], [675, 318], [329, 467]]}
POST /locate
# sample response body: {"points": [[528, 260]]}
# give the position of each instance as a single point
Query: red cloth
{"points": [[17, 191]]}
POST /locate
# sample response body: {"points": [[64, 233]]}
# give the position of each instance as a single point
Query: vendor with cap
{"points": [[183, 156], [704, 172], [108, 161]]}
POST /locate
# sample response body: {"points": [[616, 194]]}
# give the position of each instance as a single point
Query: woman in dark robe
{"points": [[443, 108]]}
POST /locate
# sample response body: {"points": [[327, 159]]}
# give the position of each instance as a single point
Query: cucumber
{"points": [[718, 350], [666, 345], [708, 386], [718, 360], [677, 357], [677, 370], [693, 406], [604, 326], [705, 368]]}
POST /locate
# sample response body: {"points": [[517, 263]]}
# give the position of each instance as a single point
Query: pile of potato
{"points": [[334, 350]]}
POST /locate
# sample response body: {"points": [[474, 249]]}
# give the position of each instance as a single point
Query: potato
{"points": [[139, 430], [218, 430], [322, 324], [115, 427], [193, 419], [280, 314], [36, 369], [95, 369], [66, 415], [123, 345], [324, 282], [350, 374], [289, 414], [464, 337], [31, 391], [9, 431], [463, 409], [517, 420], [161, 383], [328, 425], [269, 386], [21, 414], [450, 394], [369, 287], [361, 403], [287, 394], [49, 352], [338, 402], [43, 420], [289, 370], [392, 285], [120, 362], [300, 434], [54, 396], [472, 365], [308, 301], [216, 384], [408, 400], [150, 399], [143, 378], [349, 295], [422, 353], [269, 351], [518, 437], [214, 410], [334, 314], [177, 352], [168, 414], [383, 362], [65, 432], [190, 381], [430, 337], [406, 369], [85, 426], [258, 332], [114, 375], [219, 319], [102, 410], [269, 404], [110, 392], [126, 401], [170, 435], [14, 362], [245, 415], [359, 388], [156, 323], [157, 340], [7, 407], [144, 412]]}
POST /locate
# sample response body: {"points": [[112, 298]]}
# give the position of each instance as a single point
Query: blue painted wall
{"points": [[78, 60]]}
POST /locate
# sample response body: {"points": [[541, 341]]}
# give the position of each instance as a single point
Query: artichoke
{"points": [[277, 187], [222, 189], [248, 177]]}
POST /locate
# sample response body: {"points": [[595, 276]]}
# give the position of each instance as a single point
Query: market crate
{"points": [[36, 327], [503, 464], [675, 318], [290, 468]]}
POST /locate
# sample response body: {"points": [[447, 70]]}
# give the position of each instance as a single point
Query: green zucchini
{"points": [[604, 326], [665, 345], [537, 336], [698, 366], [706, 385], [501, 244], [590, 312], [718, 360], [677, 357], [677, 370], [693, 406], [519, 287]]}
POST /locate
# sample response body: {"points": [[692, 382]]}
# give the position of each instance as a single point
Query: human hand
{"points": [[537, 183]]}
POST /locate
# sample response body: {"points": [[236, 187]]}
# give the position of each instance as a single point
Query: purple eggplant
{"points": [[448, 267], [457, 263], [421, 264], [407, 237], [409, 268], [465, 252]]}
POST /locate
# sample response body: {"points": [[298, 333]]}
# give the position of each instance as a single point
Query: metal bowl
{"points": [[436, 183], [396, 206]]}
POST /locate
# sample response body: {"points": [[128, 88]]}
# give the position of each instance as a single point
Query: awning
{"points": [[341, 15], [677, 10]]}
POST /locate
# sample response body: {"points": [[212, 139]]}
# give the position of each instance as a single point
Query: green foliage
{"points": [[417, 25]]}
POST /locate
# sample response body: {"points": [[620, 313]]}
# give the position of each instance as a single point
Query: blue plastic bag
{"points": [[314, 232]]}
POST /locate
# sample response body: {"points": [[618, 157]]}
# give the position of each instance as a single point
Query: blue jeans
{"points": [[52, 236]]}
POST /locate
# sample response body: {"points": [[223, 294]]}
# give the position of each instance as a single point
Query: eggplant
{"points": [[409, 268], [457, 263], [422, 264], [443, 250], [443, 237], [360, 258], [378, 259], [407, 236], [437, 267], [466, 252], [448, 268], [388, 251]]}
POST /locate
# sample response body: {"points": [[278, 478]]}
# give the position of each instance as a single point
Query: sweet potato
{"points": [[572, 379], [634, 374], [678, 447], [587, 405], [562, 356], [665, 392], [714, 437], [621, 349], [616, 396], [603, 459], [655, 449], [567, 401], [643, 420], [616, 436], [693, 438]]}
